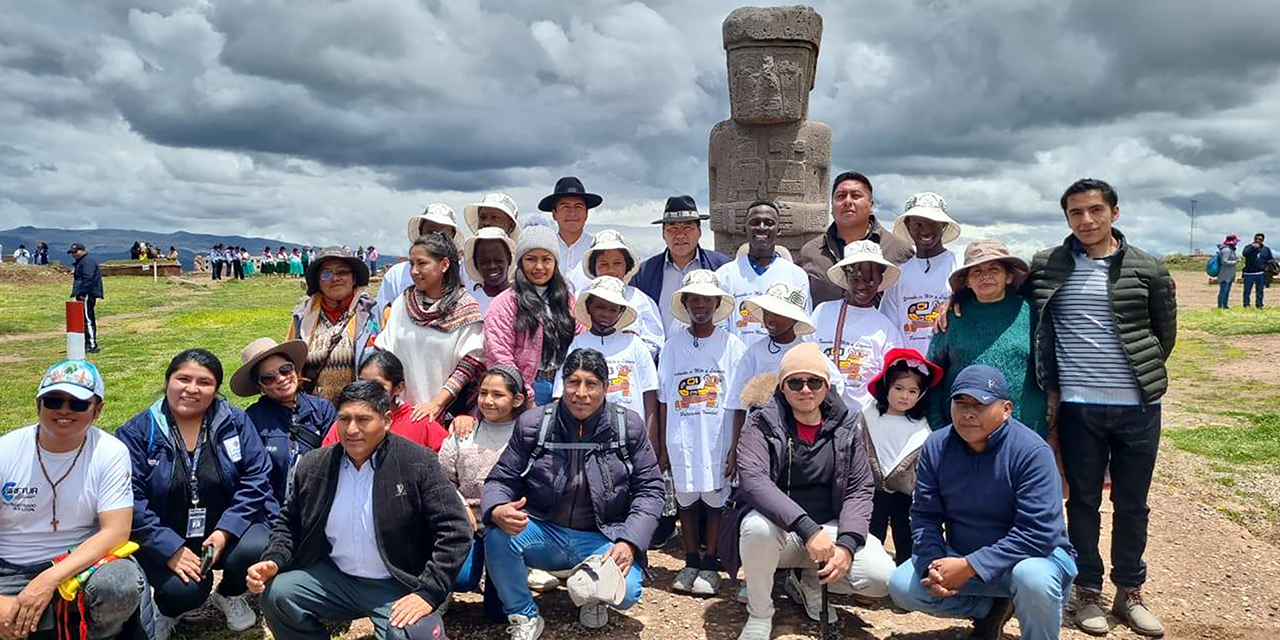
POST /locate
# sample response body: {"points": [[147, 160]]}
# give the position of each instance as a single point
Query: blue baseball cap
{"points": [[982, 382], [76, 377]]}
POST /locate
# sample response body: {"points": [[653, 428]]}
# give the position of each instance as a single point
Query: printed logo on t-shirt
{"points": [[850, 361], [20, 499], [699, 389], [620, 380], [921, 315], [744, 316]]}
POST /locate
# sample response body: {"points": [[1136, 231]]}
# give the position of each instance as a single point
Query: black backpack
{"points": [[541, 446]]}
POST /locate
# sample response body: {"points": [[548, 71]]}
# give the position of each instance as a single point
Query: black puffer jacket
{"points": [[1142, 298]]}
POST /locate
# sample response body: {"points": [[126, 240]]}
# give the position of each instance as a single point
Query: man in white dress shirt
{"points": [[568, 205]]}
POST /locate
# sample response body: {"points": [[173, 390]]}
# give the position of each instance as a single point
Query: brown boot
{"points": [[991, 626], [1129, 608]]}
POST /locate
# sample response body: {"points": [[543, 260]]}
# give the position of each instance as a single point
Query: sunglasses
{"points": [[815, 384], [269, 377], [54, 403], [330, 275]]}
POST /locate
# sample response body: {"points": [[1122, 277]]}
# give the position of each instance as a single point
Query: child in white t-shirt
{"points": [[609, 255], [914, 302], [896, 428], [695, 372]]}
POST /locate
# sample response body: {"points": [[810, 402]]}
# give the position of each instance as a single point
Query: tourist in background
{"points": [[86, 286], [1256, 256]]}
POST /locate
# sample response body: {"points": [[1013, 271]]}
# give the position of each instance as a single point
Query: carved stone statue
{"points": [[768, 148]]}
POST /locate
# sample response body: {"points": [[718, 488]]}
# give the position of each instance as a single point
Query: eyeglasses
{"points": [[54, 403], [815, 384], [328, 275], [269, 377]]}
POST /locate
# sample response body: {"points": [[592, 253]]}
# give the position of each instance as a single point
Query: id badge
{"points": [[195, 523]]}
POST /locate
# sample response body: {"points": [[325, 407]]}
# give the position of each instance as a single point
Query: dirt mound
{"points": [[29, 274]]}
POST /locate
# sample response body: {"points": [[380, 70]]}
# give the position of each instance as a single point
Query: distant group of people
{"points": [[146, 251], [536, 399], [1259, 270], [22, 255]]}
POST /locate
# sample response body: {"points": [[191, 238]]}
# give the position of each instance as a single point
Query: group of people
{"points": [[1259, 269], [145, 251], [22, 255], [539, 405]]}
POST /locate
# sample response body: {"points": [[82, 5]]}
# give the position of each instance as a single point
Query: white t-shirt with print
{"points": [[867, 336], [694, 377], [913, 302], [100, 481], [738, 279], [764, 357], [631, 368]]}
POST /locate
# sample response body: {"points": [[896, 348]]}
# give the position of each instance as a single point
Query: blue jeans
{"points": [[472, 568], [1252, 280], [1039, 588], [546, 546], [1224, 291]]}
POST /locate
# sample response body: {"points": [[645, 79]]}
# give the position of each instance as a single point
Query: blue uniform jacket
{"points": [[648, 276], [152, 451], [272, 419]]}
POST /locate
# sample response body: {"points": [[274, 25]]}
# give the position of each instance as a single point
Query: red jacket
{"points": [[425, 432]]}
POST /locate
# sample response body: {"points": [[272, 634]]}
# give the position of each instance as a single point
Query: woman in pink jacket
{"points": [[530, 325]]}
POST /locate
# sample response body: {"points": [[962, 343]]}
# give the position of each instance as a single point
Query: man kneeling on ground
{"points": [[578, 485], [371, 527], [991, 482]]}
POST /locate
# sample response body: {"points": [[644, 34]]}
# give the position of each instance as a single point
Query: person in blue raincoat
{"points": [[201, 488], [290, 422]]}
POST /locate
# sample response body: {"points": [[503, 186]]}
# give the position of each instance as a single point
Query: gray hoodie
{"points": [[1227, 259]]}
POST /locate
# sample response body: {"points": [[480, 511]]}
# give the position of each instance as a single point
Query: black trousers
{"points": [[217, 269], [1124, 439], [90, 323], [239, 269], [174, 597], [892, 509]]}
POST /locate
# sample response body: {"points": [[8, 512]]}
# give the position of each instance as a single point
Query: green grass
{"points": [[1182, 262], [32, 308], [1255, 443], [1236, 321]]}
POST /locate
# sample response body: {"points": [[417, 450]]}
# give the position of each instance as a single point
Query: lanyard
{"points": [[193, 458]]}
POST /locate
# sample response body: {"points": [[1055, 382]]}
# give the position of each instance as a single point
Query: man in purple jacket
{"points": [[992, 484], [578, 479]]}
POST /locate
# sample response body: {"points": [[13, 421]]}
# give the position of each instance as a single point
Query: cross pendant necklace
{"points": [[54, 485]]}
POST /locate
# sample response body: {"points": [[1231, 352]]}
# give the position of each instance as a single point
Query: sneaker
{"points": [[593, 616], [707, 583], [540, 581], [239, 616], [756, 629], [1089, 614], [1131, 610], [523, 628], [164, 626], [684, 580], [991, 627], [809, 596]]}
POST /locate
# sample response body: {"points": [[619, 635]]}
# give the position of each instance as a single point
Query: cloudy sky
{"points": [[333, 122]]}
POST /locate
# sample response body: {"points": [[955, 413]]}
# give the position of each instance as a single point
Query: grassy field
{"points": [[142, 325]]}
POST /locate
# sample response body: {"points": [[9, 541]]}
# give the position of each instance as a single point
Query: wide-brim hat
{"points": [[436, 212], [987, 250], [469, 247], [569, 186], [701, 282], [681, 209], [498, 202], [604, 241], [596, 580], [863, 251], [611, 290], [778, 250], [784, 300], [930, 206], [242, 382], [932, 372], [358, 267]]}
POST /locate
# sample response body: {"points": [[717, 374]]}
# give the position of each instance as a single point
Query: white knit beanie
{"points": [[538, 232]]}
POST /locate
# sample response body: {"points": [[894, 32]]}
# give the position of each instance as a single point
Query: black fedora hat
{"points": [[569, 186], [681, 209]]}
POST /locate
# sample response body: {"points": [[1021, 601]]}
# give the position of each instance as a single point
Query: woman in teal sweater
{"points": [[996, 329]]}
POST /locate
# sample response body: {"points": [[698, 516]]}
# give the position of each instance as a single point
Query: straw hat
{"points": [[930, 206], [784, 300], [701, 282], [778, 250], [436, 212], [611, 290], [987, 250], [243, 382], [863, 251], [499, 202], [469, 247], [604, 241]]}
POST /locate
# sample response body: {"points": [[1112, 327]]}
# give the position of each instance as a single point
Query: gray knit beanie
{"points": [[538, 232]]}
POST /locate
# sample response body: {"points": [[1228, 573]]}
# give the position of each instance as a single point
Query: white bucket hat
{"points": [[487, 233], [930, 206], [778, 250], [604, 241], [784, 300], [611, 290], [701, 282], [436, 212], [499, 201], [863, 251]]}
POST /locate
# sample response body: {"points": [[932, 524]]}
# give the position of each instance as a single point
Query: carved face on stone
{"points": [[769, 84]]}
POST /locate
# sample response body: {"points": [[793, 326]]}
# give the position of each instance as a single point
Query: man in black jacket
{"points": [[372, 527], [87, 287]]}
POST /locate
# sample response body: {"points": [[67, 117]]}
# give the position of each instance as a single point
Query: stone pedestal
{"points": [[768, 148]]}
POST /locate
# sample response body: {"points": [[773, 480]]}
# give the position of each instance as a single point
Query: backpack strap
{"points": [[544, 428]]}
